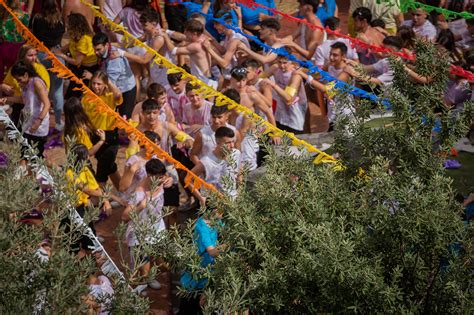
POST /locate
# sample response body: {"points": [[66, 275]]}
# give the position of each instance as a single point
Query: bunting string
{"points": [[455, 70], [220, 100], [324, 76], [62, 71], [406, 5], [45, 178]]}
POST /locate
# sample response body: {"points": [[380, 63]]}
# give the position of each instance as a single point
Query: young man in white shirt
{"points": [[421, 26]]}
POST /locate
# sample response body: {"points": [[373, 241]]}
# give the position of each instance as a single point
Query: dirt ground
{"points": [[161, 300]]}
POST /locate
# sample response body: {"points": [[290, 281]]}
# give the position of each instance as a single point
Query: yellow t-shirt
{"points": [[81, 138], [85, 179], [83, 46], [40, 69], [100, 119]]}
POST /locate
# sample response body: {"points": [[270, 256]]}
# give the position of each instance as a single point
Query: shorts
{"points": [[106, 156], [37, 142], [81, 241], [171, 196]]}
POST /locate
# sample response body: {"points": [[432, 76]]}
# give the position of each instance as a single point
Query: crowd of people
{"points": [[214, 142]]}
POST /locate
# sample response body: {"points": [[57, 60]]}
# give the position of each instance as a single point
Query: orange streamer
{"points": [[64, 72]]}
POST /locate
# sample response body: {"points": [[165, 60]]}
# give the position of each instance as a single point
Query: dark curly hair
{"points": [[78, 26]]}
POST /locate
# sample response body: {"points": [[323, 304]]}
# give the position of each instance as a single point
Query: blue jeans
{"points": [[56, 94]]}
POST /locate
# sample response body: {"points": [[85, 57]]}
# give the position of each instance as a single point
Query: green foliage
{"points": [[305, 239], [30, 282]]}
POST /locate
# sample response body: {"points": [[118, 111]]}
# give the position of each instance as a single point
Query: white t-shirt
{"points": [[384, 71], [321, 54], [427, 30], [217, 170]]}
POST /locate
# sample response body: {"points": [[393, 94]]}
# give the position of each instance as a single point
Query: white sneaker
{"points": [[115, 204], [154, 284], [59, 127]]}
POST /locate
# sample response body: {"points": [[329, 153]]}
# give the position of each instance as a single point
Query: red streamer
{"points": [[455, 70]]}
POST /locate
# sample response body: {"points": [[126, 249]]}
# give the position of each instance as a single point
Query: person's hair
{"points": [[239, 73], [233, 94], [191, 87], [313, 3], [198, 17], [152, 136], [194, 26], [78, 26], [100, 39], [100, 75], [155, 167], [149, 104], [271, 23], [394, 41], [251, 63], [332, 23], [362, 13], [139, 5], [150, 16], [50, 12], [20, 68], [341, 46], [378, 23], [24, 50], [446, 39], [222, 132], [155, 90], [407, 36], [219, 110], [174, 78], [81, 155], [75, 118]]}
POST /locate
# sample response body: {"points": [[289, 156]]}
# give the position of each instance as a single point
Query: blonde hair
{"points": [[24, 50]]}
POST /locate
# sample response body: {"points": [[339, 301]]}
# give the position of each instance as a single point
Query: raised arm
{"points": [[263, 59]]}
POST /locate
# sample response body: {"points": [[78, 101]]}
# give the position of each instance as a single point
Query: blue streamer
{"points": [[325, 76]]}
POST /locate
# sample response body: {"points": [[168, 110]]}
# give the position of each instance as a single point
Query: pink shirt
{"points": [[198, 116]]}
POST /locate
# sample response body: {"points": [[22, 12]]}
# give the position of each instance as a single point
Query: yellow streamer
{"points": [[64, 72], [209, 92]]}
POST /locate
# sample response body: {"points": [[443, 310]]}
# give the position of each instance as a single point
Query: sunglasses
{"points": [[239, 71]]}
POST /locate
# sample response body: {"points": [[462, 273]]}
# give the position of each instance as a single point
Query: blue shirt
{"points": [[326, 10], [192, 7], [119, 72], [323, 13], [204, 236], [250, 16]]}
